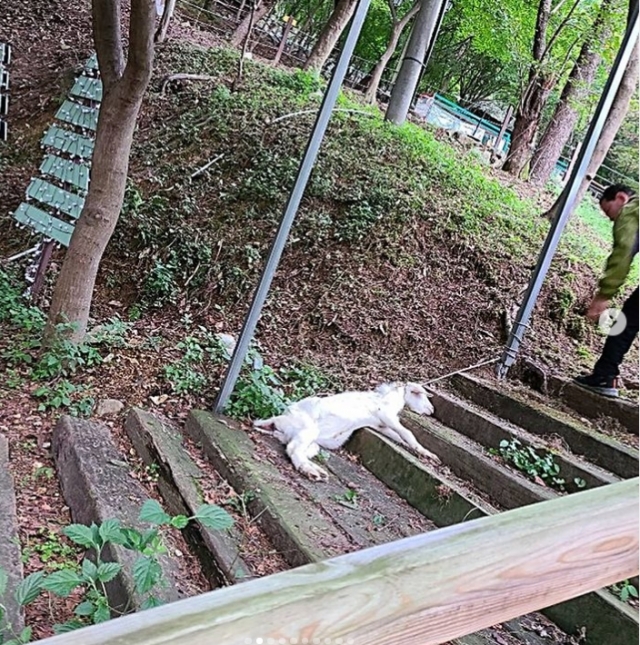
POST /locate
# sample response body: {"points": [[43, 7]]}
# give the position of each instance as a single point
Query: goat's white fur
{"points": [[328, 422]]}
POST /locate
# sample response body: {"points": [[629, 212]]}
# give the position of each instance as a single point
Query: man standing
{"points": [[620, 204]]}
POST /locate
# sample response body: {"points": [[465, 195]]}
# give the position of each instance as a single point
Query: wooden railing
{"points": [[422, 590]]}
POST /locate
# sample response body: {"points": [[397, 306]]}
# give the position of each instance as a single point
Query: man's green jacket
{"points": [[625, 247]]}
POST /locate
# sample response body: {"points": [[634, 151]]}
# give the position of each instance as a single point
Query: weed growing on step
{"points": [[94, 572], [56, 365], [348, 499], [527, 460], [52, 551], [625, 591], [240, 503]]}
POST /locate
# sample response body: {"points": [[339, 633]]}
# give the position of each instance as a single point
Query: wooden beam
{"points": [[421, 590]]}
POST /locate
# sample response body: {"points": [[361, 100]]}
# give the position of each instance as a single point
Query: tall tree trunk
{"points": [[241, 33], [575, 90], [405, 85], [381, 65], [123, 92], [330, 34], [532, 100], [167, 14], [617, 114]]}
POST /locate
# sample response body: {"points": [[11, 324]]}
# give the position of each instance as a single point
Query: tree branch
{"points": [[392, 9], [141, 30], [556, 33], [107, 36]]}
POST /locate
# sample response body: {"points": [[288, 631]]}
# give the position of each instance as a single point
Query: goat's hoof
{"points": [[316, 473]]}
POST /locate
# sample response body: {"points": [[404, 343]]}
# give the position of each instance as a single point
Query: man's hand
{"points": [[598, 305]]}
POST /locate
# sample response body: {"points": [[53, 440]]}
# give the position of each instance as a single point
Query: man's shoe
{"points": [[604, 385]]}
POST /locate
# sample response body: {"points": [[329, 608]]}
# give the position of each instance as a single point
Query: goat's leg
{"points": [[397, 432], [301, 449]]}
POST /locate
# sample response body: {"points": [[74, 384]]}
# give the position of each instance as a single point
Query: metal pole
{"points": [[568, 196], [308, 161]]}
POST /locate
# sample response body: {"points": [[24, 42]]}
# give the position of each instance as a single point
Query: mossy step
{"points": [[542, 420], [10, 560], [159, 444], [488, 430], [97, 486]]}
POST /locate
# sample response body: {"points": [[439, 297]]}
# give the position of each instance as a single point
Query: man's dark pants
{"points": [[616, 347]]}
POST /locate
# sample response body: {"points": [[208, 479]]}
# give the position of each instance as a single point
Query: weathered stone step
{"points": [[468, 460], [600, 613], [161, 445], [488, 430], [96, 486], [296, 526], [261, 467], [580, 401], [438, 496], [542, 420], [10, 560], [363, 508]]}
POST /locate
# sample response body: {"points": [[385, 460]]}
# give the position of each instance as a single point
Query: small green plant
{"points": [[348, 498], [625, 591], [259, 394], [64, 394], [379, 520], [240, 503], [528, 461], [94, 572], [52, 551]]}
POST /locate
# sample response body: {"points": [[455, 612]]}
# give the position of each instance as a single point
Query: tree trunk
{"points": [[241, 33], [381, 65], [575, 90], [167, 14], [122, 97], [407, 80], [330, 34], [617, 114], [533, 98]]}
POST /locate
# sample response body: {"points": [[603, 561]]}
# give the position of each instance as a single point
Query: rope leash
{"points": [[464, 369]]}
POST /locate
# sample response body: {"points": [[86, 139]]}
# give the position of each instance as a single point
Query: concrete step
{"points": [[10, 560], [544, 421], [488, 430], [96, 486], [160, 445]]}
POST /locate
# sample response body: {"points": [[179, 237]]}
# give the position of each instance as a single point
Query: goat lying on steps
{"points": [[328, 422]]}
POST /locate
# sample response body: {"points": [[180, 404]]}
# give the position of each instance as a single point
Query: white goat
{"points": [[328, 422]]}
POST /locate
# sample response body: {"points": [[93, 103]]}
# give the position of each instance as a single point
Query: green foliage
{"points": [[94, 572], [626, 591], [527, 460], [56, 364]]}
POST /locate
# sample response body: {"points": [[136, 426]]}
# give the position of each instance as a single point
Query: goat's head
{"points": [[417, 399]]}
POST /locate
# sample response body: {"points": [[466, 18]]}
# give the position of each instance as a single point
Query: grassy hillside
{"points": [[403, 259], [404, 254]]}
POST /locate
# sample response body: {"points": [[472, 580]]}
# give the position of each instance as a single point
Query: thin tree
{"points": [[124, 86], [397, 27], [573, 94], [257, 11], [619, 110], [163, 27], [409, 75], [330, 34], [540, 82]]}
